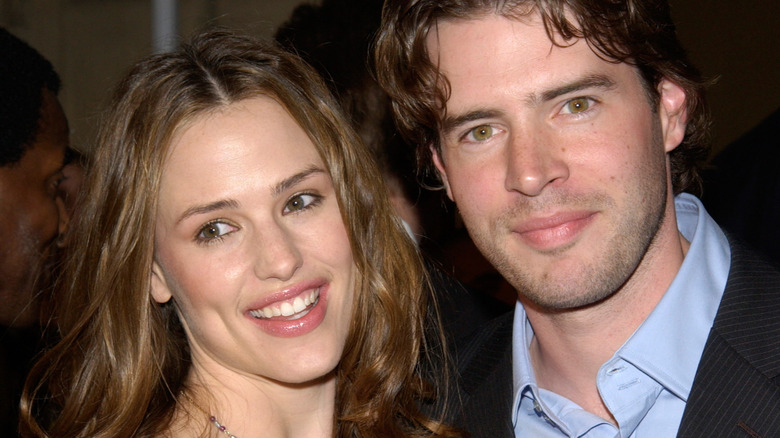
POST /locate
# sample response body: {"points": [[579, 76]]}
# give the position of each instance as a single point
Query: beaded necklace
{"points": [[212, 419]]}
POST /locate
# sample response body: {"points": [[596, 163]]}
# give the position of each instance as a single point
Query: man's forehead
{"points": [[481, 50], [525, 12], [53, 134]]}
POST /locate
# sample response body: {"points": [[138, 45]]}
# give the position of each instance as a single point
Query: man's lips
{"points": [[554, 231]]}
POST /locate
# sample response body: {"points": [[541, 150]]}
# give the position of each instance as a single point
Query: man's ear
{"points": [[673, 112], [64, 222], [439, 163], [160, 291]]}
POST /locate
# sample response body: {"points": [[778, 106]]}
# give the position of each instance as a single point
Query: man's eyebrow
{"points": [[451, 123], [295, 179], [590, 81]]}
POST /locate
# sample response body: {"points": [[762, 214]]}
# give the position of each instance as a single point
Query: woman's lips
{"points": [[293, 312], [289, 309], [552, 232]]}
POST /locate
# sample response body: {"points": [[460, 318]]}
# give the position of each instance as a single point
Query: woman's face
{"points": [[250, 244]]}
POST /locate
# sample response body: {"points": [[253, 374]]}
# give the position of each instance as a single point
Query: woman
{"points": [[235, 267]]}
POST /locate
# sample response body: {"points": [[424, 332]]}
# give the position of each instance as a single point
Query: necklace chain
{"points": [[212, 419]]}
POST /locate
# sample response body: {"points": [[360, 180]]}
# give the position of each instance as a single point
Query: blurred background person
{"points": [[33, 141], [338, 46], [73, 174]]}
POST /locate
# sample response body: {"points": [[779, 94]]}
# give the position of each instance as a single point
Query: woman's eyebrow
{"points": [[232, 203], [295, 179], [207, 208]]}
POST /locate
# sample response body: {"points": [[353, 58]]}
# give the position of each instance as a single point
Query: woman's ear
{"points": [[160, 291]]}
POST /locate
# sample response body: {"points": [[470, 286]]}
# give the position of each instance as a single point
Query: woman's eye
{"points": [[577, 105], [300, 202], [214, 230], [481, 133]]}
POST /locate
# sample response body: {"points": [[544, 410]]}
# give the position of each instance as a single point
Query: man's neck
{"points": [[569, 347]]}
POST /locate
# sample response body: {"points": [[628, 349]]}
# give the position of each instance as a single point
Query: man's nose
{"points": [[534, 161], [63, 221]]}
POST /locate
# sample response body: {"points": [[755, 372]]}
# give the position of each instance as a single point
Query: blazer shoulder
{"points": [[485, 380], [748, 317], [736, 391], [486, 347]]}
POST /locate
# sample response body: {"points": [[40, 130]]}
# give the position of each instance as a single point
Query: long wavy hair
{"points": [[637, 32], [122, 359]]}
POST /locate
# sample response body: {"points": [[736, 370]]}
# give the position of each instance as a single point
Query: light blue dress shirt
{"points": [[645, 385]]}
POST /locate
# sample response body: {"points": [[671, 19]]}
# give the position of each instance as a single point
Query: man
{"points": [[566, 134], [33, 143]]}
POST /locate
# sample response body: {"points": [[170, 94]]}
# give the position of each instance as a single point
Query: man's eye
{"points": [[481, 133], [214, 230], [300, 202], [54, 184], [577, 105]]}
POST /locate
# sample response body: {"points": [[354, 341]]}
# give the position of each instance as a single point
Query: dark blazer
{"points": [[736, 391]]}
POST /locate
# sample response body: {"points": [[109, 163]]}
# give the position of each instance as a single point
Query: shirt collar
{"points": [[669, 343], [682, 319], [523, 372]]}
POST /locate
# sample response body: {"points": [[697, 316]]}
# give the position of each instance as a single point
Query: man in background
{"points": [[337, 45], [33, 144]]}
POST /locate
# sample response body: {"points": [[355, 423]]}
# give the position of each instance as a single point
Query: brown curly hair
{"points": [[637, 32], [120, 365]]}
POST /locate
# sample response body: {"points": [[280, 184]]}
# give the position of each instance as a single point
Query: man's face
{"points": [[29, 219], [555, 157]]}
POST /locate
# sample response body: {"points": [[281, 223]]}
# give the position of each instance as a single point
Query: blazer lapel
{"points": [[485, 366], [736, 390]]}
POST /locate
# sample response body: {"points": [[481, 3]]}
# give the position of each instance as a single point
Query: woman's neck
{"points": [[253, 407]]}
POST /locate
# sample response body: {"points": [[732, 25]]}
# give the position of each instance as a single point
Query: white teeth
{"points": [[298, 305]]}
